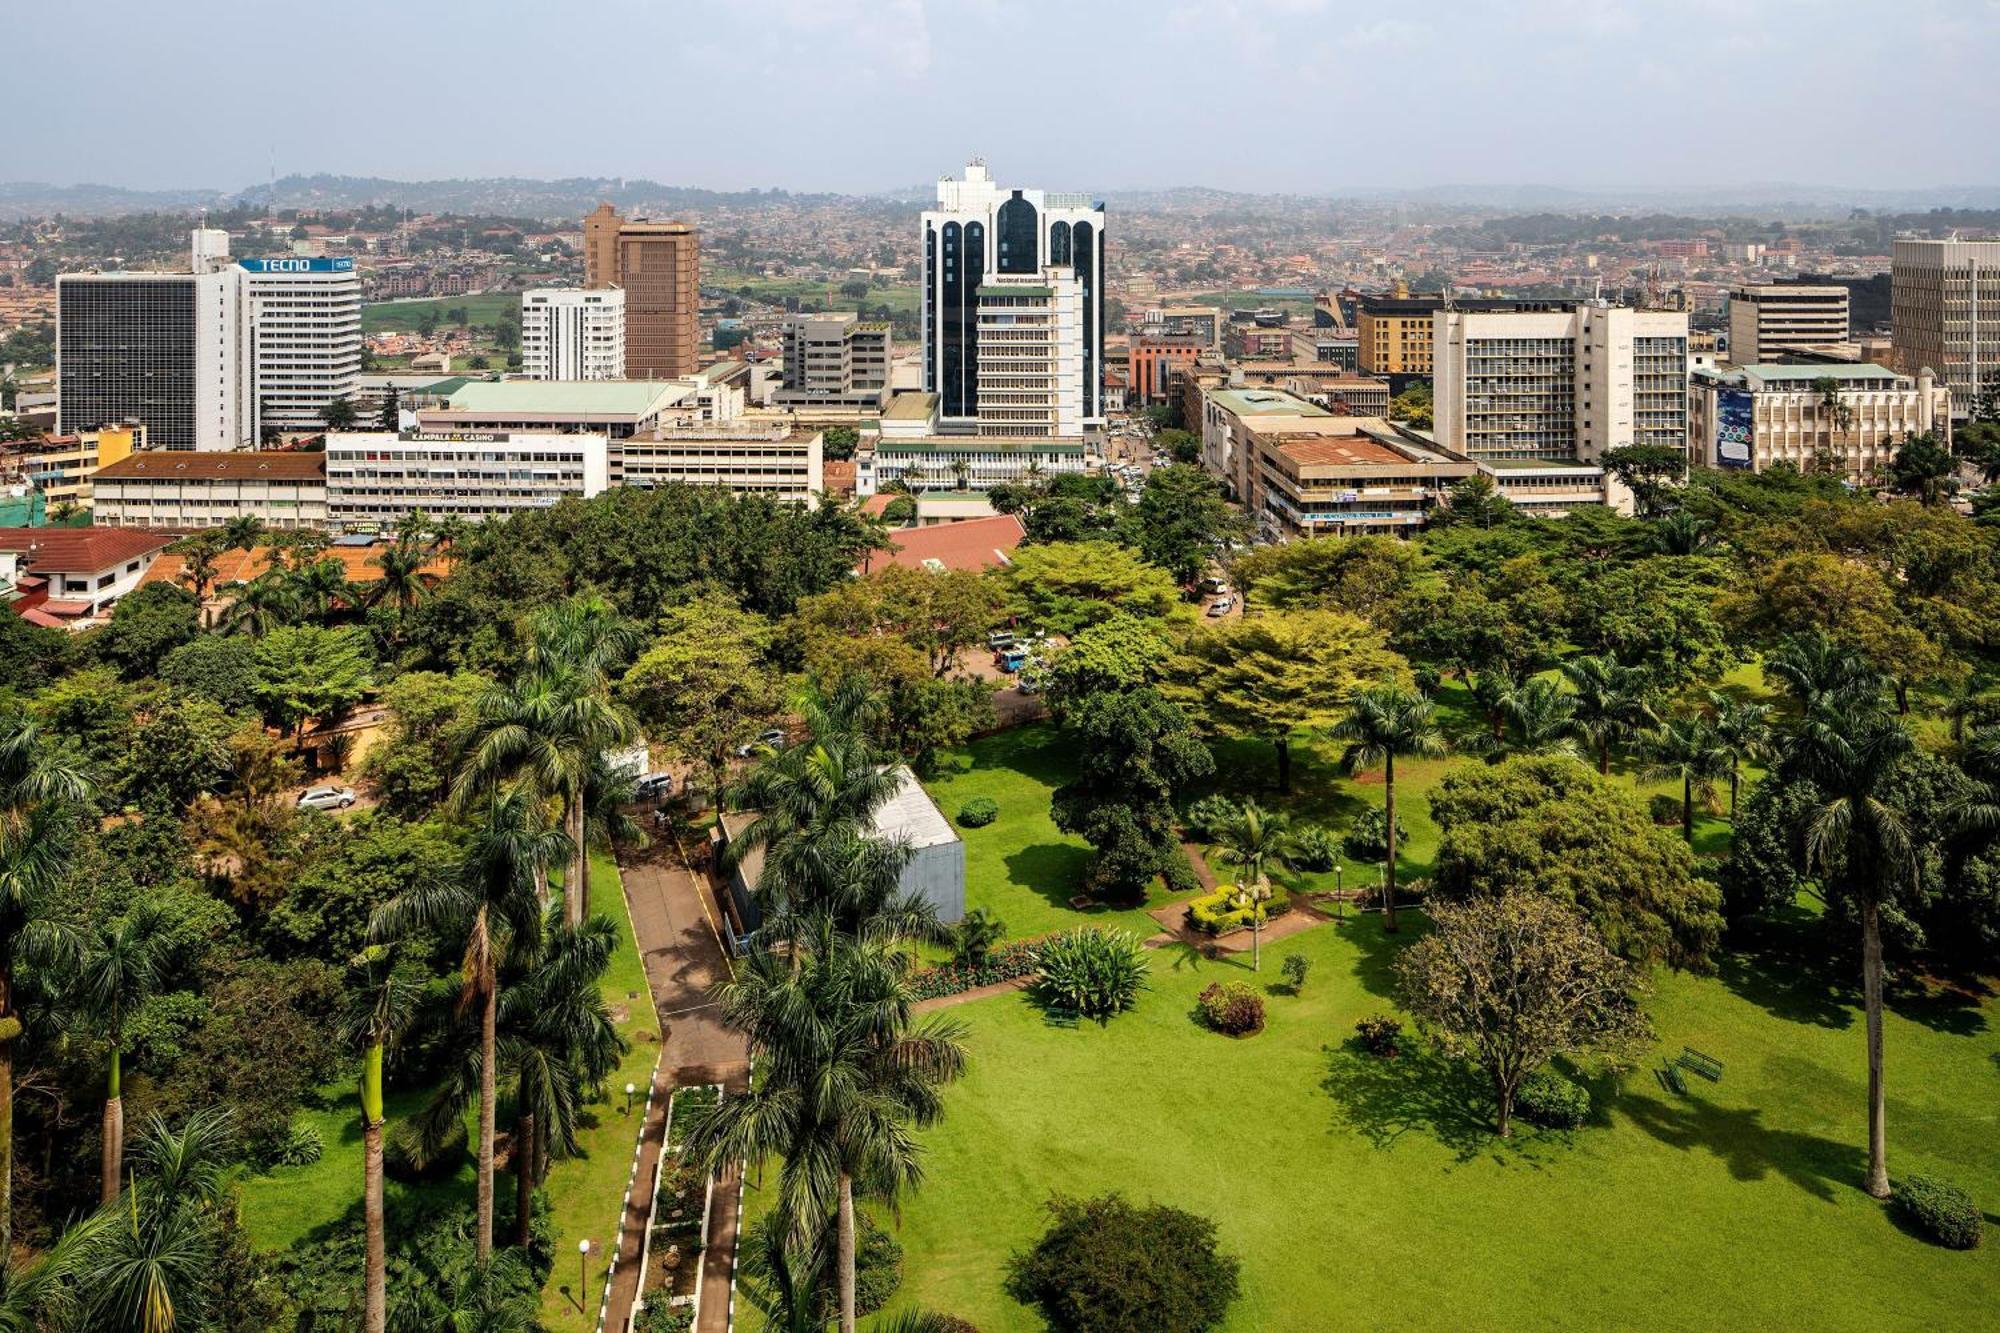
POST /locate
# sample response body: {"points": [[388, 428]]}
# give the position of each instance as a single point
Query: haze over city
{"points": [[1311, 96]]}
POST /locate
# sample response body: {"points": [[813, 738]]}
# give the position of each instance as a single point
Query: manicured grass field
{"points": [[900, 297], [1369, 1193], [585, 1192], [402, 316]]}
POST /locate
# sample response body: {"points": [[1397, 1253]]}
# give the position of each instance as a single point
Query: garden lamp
{"points": [[630, 1088], [583, 1271]]}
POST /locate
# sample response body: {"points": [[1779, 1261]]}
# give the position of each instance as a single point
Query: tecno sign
{"points": [[297, 265]]}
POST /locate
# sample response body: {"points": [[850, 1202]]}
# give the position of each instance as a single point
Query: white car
{"points": [[326, 798], [774, 739]]}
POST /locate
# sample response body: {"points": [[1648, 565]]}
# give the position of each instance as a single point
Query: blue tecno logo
{"points": [[296, 265]]}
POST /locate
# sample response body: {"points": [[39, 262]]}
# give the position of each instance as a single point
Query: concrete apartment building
{"points": [[1757, 416], [780, 462], [836, 360], [1393, 334], [1945, 313], [658, 265], [1559, 385], [1031, 355], [978, 233], [1325, 383], [573, 335], [1150, 361], [1345, 480], [1770, 321], [192, 491], [1202, 323], [911, 450], [63, 467], [66, 577], [613, 408], [1228, 417], [374, 478]]}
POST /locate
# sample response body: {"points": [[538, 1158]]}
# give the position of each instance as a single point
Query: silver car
{"points": [[326, 798]]}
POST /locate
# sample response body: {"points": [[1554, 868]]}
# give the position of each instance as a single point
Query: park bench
{"points": [[1670, 1077], [1707, 1066]]}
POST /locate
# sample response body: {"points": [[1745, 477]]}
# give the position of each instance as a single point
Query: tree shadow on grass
{"points": [[1780, 964], [1422, 1091], [1750, 1149], [1053, 870], [1376, 949]]}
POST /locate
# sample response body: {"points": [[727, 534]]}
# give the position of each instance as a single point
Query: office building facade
{"points": [[63, 467], [573, 335], [979, 232], [163, 349], [1769, 322], [1031, 361], [658, 265], [302, 320], [193, 491], [1754, 417], [779, 462], [1554, 385], [835, 360], [1945, 314], [374, 478]]}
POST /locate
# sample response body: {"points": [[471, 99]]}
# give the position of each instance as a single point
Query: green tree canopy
{"points": [[1064, 587]]}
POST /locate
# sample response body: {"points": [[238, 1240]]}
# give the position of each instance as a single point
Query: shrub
{"points": [[664, 1318], [1368, 838], [294, 1145], [1108, 1266], [1231, 1007], [1548, 1099], [1094, 973], [1664, 808], [974, 938], [1940, 1210], [1313, 849], [902, 509], [1295, 967], [1208, 816], [404, 1159], [1178, 874], [878, 1265], [978, 812], [1378, 1034], [1003, 964], [1220, 912]]}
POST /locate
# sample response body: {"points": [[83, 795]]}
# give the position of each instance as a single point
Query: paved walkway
{"points": [[673, 922]]}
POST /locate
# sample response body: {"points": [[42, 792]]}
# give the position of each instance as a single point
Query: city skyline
{"points": [[1173, 95]]}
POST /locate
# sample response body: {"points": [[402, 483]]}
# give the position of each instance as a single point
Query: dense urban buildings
{"points": [[1768, 321], [1946, 313], [192, 491], [658, 265], [1846, 419], [835, 360], [63, 467], [568, 334], [979, 231], [375, 478], [1150, 362], [1554, 385], [302, 318], [1347, 479]]}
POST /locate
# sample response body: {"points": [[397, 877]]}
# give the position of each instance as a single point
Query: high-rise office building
{"points": [[835, 360], [1767, 322], [658, 265], [303, 322], [163, 349], [980, 231], [1031, 361], [1945, 314], [1519, 386], [573, 335]]}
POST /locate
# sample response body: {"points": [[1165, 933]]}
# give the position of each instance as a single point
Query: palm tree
{"points": [[265, 603], [1688, 749], [241, 533], [42, 1293], [1256, 839], [1834, 407], [379, 1001], [1542, 717], [1683, 532], [198, 570], [402, 580], [154, 1271], [1821, 674], [846, 1074], [1970, 699], [321, 587], [1492, 687], [1610, 703], [120, 972], [496, 904], [485, 1299], [34, 783], [1383, 723], [1860, 844], [1743, 728]]}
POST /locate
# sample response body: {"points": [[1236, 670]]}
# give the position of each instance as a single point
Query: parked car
{"points": [[652, 786], [1010, 660], [774, 739], [1221, 606], [1214, 587], [1000, 639], [326, 798]]}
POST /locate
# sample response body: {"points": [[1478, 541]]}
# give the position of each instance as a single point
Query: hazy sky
{"points": [[859, 95]]}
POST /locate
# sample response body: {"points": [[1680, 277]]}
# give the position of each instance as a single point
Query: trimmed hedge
{"points": [[1213, 914], [1548, 1099], [978, 812], [1007, 963], [1941, 1211]]}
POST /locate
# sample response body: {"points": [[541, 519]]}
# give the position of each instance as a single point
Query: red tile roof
{"points": [[186, 463], [83, 550], [238, 566], [975, 543]]}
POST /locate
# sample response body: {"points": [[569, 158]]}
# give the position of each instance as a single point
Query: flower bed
{"points": [[1007, 963]]}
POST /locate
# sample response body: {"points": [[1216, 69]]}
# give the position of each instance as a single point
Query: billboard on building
{"points": [[297, 264], [1734, 420]]}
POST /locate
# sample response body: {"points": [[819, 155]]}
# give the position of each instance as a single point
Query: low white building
{"points": [[573, 334], [964, 462], [172, 488], [374, 478], [68, 576], [1756, 416], [778, 461]]}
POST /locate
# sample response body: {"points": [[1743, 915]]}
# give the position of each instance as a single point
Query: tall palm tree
{"points": [[1383, 723], [154, 1271], [380, 999], [1492, 687], [847, 1073], [1860, 844], [1256, 839], [35, 783], [1743, 728], [1541, 718], [241, 533], [1610, 703], [1821, 674], [265, 603], [1687, 749], [495, 903], [402, 581], [198, 570], [321, 587], [120, 972]]}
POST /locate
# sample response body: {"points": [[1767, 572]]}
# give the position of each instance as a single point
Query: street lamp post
{"points": [[1339, 897], [583, 1273], [630, 1088]]}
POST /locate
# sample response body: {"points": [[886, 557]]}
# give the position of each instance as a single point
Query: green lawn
{"points": [[1020, 867], [1365, 1193], [585, 1192], [402, 316], [900, 297]]}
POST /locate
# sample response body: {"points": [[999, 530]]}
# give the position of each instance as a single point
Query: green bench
{"points": [[1670, 1078], [1707, 1066]]}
